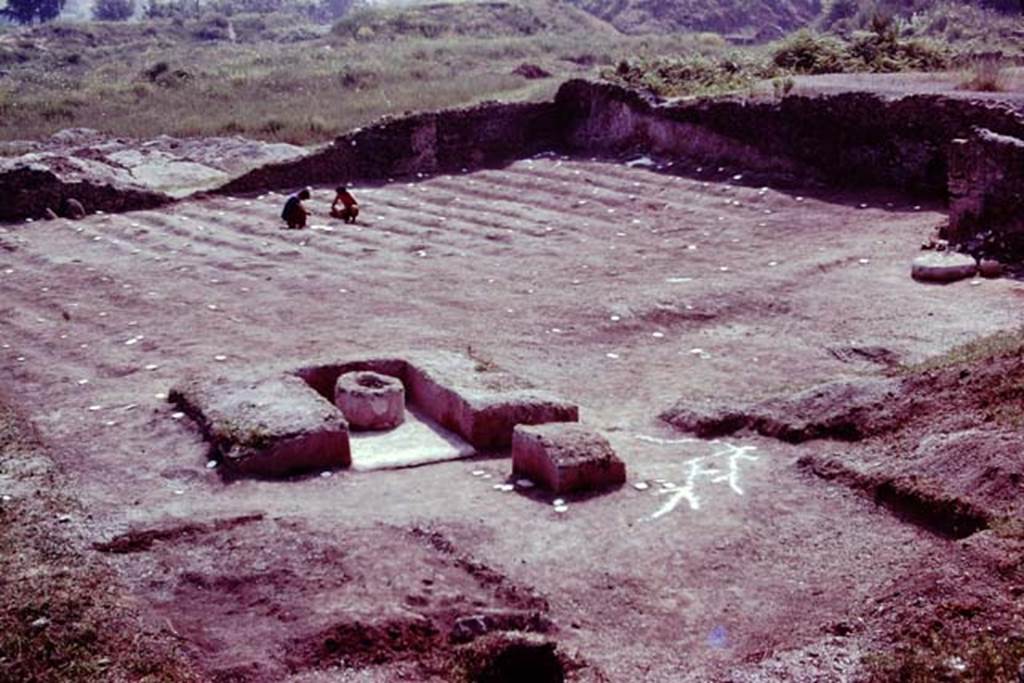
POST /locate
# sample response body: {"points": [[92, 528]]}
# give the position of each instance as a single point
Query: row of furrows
{"points": [[394, 214], [194, 214], [503, 201]]}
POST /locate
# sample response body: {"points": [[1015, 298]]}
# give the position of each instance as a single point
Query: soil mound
{"points": [[113, 174], [848, 410], [948, 460]]}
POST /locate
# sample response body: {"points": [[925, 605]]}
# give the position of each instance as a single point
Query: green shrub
{"points": [[215, 27], [693, 74], [985, 75], [886, 53], [809, 53], [113, 10]]}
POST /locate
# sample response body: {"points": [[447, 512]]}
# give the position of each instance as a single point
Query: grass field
{"points": [[281, 76]]}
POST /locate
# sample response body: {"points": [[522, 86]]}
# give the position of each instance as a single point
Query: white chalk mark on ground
{"points": [[664, 442], [722, 466]]}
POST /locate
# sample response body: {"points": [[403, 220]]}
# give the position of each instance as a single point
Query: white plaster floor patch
{"points": [[417, 441]]}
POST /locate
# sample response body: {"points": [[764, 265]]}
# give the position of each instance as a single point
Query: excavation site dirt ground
{"points": [[619, 284]]}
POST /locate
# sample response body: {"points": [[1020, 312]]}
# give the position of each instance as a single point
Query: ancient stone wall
{"points": [[986, 189], [444, 142], [27, 191], [848, 139]]}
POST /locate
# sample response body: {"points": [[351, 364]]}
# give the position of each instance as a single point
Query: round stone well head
{"points": [[370, 400]]}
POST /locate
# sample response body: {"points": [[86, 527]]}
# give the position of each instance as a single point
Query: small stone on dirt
{"points": [[990, 268], [943, 267]]}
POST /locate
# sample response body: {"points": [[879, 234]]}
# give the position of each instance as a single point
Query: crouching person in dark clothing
{"points": [[295, 214]]}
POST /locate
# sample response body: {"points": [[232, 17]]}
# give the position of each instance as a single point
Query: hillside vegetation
{"points": [[769, 18], [283, 76], [248, 67]]}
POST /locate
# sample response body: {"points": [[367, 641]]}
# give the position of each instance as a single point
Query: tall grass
{"points": [[238, 88], [985, 74], [164, 80]]}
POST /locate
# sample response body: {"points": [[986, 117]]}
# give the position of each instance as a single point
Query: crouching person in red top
{"points": [[345, 206]]}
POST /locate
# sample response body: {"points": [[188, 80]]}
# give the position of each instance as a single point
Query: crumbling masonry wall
{"points": [[439, 142], [849, 139], [986, 193]]}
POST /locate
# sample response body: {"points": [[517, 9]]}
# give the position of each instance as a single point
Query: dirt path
{"points": [[620, 288]]}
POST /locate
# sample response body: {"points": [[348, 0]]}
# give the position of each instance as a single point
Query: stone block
{"points": [[370, 400], [990, 268], [482, 404], [986, 194], [272, 426], [565, 458]]}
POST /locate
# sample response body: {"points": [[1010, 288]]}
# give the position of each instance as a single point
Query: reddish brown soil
{"points": [[573, 274]]}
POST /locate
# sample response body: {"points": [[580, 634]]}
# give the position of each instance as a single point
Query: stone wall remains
{"points": [[848, 139], [26, 191], [443, 142], [986, 191]]}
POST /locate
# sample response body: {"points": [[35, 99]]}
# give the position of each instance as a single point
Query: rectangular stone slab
{"points": [[417, 441], [273, 426], [565, 458]]}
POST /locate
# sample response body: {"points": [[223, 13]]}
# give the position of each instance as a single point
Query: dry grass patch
{"points": [[985, 75]]}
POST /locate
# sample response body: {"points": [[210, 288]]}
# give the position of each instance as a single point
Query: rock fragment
{"points": [[943, 267]]}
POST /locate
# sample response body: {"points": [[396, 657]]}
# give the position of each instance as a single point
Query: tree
{"points": [[30, 11], [113, 10]]}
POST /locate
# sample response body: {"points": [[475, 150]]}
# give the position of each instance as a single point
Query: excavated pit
{"points": [[578, 273]]}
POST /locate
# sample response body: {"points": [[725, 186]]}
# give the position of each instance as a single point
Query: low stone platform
{"points": [[417, 441], [286, 422], [273, 426], [480, 403], [565, 458]]}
